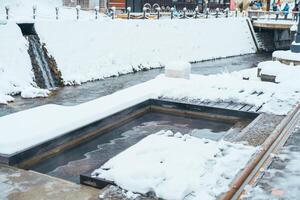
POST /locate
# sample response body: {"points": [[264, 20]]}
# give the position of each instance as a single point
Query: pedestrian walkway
{"points": [[282, 180], [18, 184]]}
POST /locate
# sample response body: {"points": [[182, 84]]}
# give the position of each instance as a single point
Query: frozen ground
{"points": [[190, 167], [282, 180], [277, 98]]}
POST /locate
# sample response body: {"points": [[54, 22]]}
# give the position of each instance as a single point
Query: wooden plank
{"points": [[253, 109], [246, 108], [238, 106], [231, 106], [221, 104]]}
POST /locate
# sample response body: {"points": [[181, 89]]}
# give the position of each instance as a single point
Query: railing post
{"points": [[77, 11], [56, 13], [113, 9], [184, 12], [128, 12], [196, 12], [7, 12], [226, 12], [34, 11], [158, 11], [236, 12], [96, 12], [172, 12], [144, 12], [206, 13], [217, 12]]}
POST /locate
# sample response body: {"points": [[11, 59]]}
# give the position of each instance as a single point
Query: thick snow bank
{"points": [[288, 55], [176, 166], [88, 50], [15, 66]]}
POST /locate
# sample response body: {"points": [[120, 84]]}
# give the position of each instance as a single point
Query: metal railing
{"points": [[154, 12], [273, 15]]}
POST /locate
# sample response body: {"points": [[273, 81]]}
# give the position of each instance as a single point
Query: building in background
{"points": [[137, 5], [91, 4]]}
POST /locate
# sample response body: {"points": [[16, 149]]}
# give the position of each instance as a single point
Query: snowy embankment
{"points": [[16, 74], [89, 50], [176, 166], [273, 98]]}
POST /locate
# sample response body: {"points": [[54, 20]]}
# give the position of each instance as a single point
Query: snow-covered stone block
{"points": [[287, 57], [178, 69]]}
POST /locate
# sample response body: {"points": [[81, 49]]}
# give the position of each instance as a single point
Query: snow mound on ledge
{"points": [[288, 55], [176, 166], [283, 73], [231, 87]]}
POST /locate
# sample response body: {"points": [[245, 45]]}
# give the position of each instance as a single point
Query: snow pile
{"points": [[22, 10], [177, 69], [34, 92], [15, 66], [286, 55], [176, 166], [89, 50], [284, 73], [230, 87]]}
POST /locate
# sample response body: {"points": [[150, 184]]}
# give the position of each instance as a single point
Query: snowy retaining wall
{"points": [[15, 64], [88, 50]]}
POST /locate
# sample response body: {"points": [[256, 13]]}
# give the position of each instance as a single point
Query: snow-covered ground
{"points": [[274, 98], [89, 50], [176, 166]]}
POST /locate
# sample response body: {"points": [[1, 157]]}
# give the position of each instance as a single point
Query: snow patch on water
{"points": [[177, 167]]}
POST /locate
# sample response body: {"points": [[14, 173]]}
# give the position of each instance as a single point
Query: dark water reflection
{"points": [[85, 158]]}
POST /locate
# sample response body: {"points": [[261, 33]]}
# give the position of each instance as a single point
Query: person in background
{"points": [[275, 10], [295, 11], [278, 4], [285, 10], [259, 4]]}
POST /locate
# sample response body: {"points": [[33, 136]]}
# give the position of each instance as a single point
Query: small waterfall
{"points": [[44, 76]]}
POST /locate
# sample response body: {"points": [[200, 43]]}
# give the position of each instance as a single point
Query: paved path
{"points": [[18, 184]]}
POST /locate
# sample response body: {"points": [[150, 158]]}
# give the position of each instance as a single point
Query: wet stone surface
{"points": [[282, 180], [17, 184], [258, 131]]}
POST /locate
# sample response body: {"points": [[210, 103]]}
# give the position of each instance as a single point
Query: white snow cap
{"points": [[178, 69]]}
